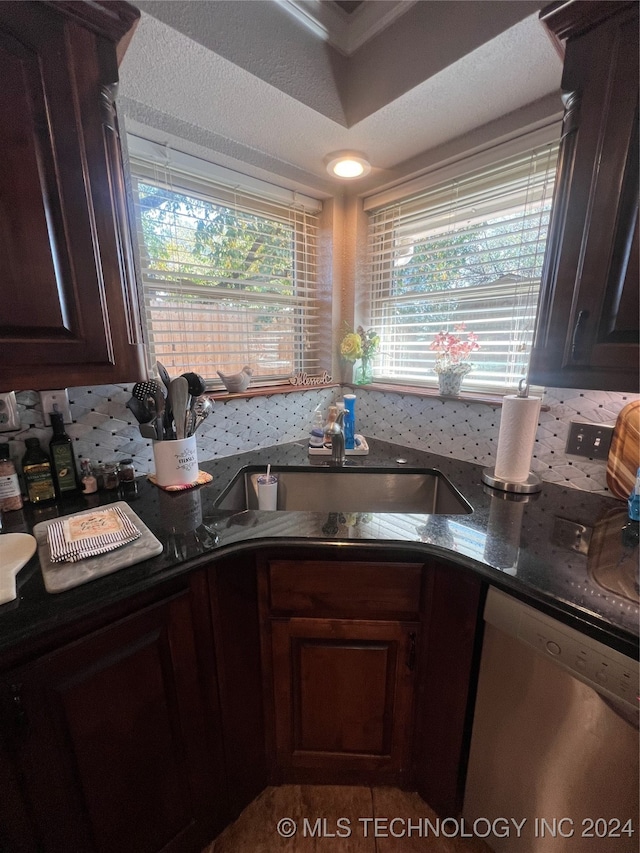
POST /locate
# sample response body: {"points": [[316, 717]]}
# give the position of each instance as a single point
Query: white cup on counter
{"points": [[267, 491], [176, 462]]}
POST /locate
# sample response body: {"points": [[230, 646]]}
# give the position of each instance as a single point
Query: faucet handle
{"points": [[334, 424]]}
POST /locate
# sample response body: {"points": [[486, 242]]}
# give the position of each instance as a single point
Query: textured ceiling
{"points": [[348, 6], [251, 84]]}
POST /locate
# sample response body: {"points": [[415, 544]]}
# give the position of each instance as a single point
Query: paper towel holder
{"points": [[533, 483]]}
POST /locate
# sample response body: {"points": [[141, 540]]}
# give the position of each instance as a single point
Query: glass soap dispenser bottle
{"points": [[316, 437]]}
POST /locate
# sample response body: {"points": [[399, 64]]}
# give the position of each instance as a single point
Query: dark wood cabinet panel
{"points": [[345, 588], [111, 740], [447, 670], [70, 314], [369, 671], [344, 693], [588, 323], [340, 639], [234, 608]]}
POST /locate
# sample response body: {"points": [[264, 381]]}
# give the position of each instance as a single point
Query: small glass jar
{"points": [[107, 475], [126, 471], [88, 479]]}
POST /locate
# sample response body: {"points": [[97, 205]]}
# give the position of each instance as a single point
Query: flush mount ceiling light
{"points": [[347, 164]]}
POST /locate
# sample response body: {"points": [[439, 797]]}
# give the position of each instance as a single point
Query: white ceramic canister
{"points": [[176, 462]]}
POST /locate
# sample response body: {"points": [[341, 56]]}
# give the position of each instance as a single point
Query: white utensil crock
{"points": [[176, 462]]}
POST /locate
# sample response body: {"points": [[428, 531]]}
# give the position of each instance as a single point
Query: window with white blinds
{"points": [[228, 273], [468, 251]]}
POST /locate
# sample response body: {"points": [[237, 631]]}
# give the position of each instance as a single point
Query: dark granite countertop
{"points": [[524, 547]]}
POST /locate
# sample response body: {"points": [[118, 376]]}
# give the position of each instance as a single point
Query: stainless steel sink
{"points": [[349, 490]]}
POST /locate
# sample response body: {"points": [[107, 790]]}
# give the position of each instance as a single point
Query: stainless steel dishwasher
{"points": [[553, 765]]}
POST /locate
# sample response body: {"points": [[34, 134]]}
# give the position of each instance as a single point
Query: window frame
{"points": [[408, 194], [192, 176]]}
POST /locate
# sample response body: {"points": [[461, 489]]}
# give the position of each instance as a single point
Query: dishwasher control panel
{"points": [[609, 672]]}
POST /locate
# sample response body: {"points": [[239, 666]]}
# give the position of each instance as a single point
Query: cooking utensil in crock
{"points": [[143, 390], [164, 374], [202, 410], [139, 409], [197, 385], [179, 402]]}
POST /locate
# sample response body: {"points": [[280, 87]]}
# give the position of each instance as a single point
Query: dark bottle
{"points": [[63, 461], [36, 467]]}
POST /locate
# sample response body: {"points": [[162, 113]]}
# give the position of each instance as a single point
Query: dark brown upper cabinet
{"points": [[70, 314], [587, 333]]}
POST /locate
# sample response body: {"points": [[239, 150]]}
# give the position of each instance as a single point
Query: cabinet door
{"points": [[343, 692], [69, 312], [588, 329], [111, 740]]}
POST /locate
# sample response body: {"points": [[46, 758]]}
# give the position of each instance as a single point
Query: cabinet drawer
{"points": [[355, 589]]}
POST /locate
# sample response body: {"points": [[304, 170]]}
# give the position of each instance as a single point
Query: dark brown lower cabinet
{"points": [[369, 671], [109, 742], [151, 725], [344, 691]]}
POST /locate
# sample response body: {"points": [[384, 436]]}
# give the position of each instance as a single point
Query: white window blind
{"points": [[468, 251], [228, 272]]}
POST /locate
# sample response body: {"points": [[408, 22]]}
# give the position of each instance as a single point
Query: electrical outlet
{"points": [[59, 399], [9, 416], [591, 440]]}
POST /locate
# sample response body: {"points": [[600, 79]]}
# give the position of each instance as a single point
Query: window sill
{"points": [[494, 400], [266, 391]]}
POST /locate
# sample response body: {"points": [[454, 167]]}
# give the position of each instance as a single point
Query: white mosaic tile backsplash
{"points": [[103, 428]]}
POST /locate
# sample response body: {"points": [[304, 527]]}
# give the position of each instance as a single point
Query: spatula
{"points": [[179, 402], [164, 374]]}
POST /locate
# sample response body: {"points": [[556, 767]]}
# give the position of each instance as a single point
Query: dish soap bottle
{"points": [[350, 421], [634, 499], [316, 437], [63, 462], [631, 530], [36, 467], [10, 496]]}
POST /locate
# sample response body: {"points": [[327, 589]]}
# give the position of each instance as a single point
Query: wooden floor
{"points": [[332, 819]]}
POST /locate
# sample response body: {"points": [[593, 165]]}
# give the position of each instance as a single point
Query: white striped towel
{"points": [[90, 534]]}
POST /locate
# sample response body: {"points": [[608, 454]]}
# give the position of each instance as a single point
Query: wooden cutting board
{"points": [[624, 455]]}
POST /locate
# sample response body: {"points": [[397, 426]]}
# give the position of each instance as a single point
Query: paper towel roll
{"points": [[518, 426]]}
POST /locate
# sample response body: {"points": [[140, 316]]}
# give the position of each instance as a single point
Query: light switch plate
{"points": [[60, 399], [591, 440], [9, 415]]}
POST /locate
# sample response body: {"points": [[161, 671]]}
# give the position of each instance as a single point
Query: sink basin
{"points": [[349, 490]]}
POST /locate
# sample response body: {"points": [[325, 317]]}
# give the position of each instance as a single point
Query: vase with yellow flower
{"points": [[452, 363], [361, 345]]}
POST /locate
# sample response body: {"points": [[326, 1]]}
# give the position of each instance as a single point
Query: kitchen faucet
{"points": [[334, 429]]}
